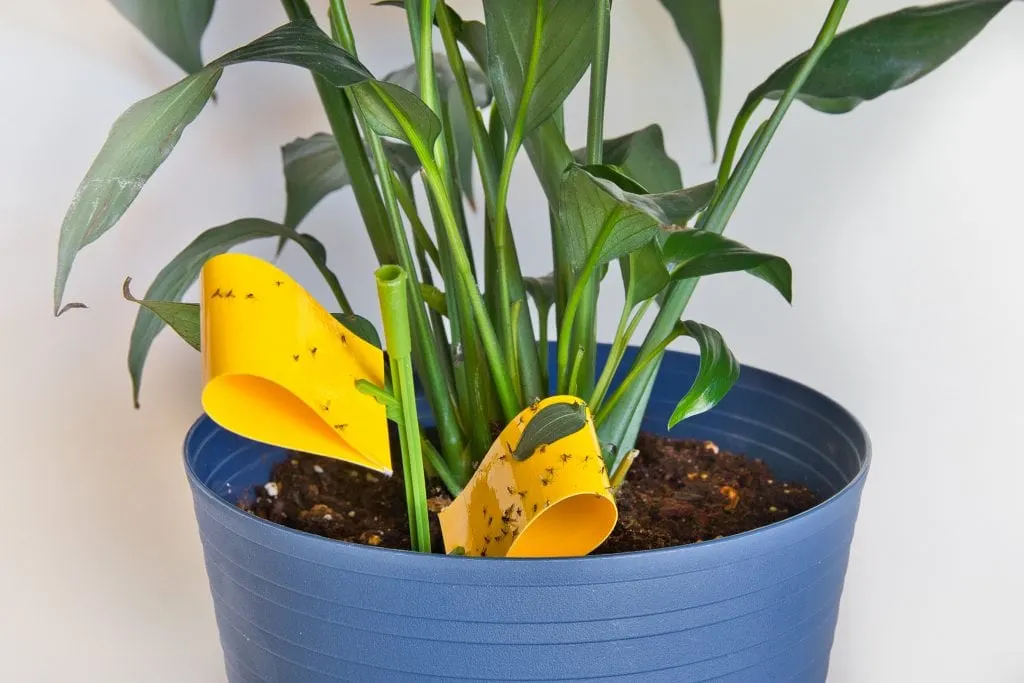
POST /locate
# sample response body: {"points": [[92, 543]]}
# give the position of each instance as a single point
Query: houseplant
{"points": [[580, 189]]}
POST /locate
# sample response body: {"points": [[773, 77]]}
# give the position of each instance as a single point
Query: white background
{"points": [[902, 221]]}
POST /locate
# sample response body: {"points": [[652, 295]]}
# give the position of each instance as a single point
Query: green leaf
{"points": [[717, 374], [695, 253], [395, 112], [542, 290], [699, 23], [587, 203], [174, 26], [360, 326], [641, 155], [138, 143], [473, 36], [181, 317], [145, 134], [435, 298], [643, 274], [314, 168], [884, 54], [176, 277], [462, 137], [301, 43], [551, 423], [566, 42]]}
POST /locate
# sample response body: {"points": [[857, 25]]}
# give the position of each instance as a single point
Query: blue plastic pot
{"points": [[759, 606]]}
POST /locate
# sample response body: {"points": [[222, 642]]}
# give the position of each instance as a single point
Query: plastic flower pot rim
{"points": [[431, 559]]}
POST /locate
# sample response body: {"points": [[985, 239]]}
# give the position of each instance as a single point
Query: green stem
{"points": [[394, 411], [623, 333], [439, 465], [403, 188], [542, 339], [392, 288], [419, 231], [575, 374], [462, 344], [515, 141], [721, 211], [565, 331], [679, 293], [598, 81], [585, 325], [486, 148], [619, 475], [517, 307], [502, 382], [341, 27], [634, 373], [423, 34], [425, 352], [732, 145]]}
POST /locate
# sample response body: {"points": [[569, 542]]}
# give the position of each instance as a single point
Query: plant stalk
{"points": [[679, 293], [623, 334], [486, 148], [634, 374], [515, 141], [577, 296], [425, 351]]}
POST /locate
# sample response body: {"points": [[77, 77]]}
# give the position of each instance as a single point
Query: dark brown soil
{"points": [[682, 491], [677, 492]]}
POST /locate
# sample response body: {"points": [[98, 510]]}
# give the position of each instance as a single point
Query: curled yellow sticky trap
{"points": [[554, 503], [278, 368]]}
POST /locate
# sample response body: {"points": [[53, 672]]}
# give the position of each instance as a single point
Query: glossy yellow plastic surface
{"points": [[278, 368], [556, 503]]}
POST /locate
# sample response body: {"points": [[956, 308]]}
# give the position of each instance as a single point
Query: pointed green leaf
{"points": [[145, 134], [176, 277], [359, 326], [181, 317], [138, 143], [699, 23], [542, 290], [717, 374], [314, 168], [551, 423], [301, 43], [643, 274], [174, 26], [587, 203], [563, 55], [641, 155], [395, 112], [462, 138], [695, 253], [884, 54]]}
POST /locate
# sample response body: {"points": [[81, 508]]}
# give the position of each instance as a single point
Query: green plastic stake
{"points": [[392, 290]]}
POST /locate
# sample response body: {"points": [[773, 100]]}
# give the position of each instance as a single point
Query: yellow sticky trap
{"points": [[556, 503], [278, 368]]}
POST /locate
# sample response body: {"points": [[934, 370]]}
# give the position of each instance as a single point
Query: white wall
{"points": [[902, 221]]}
